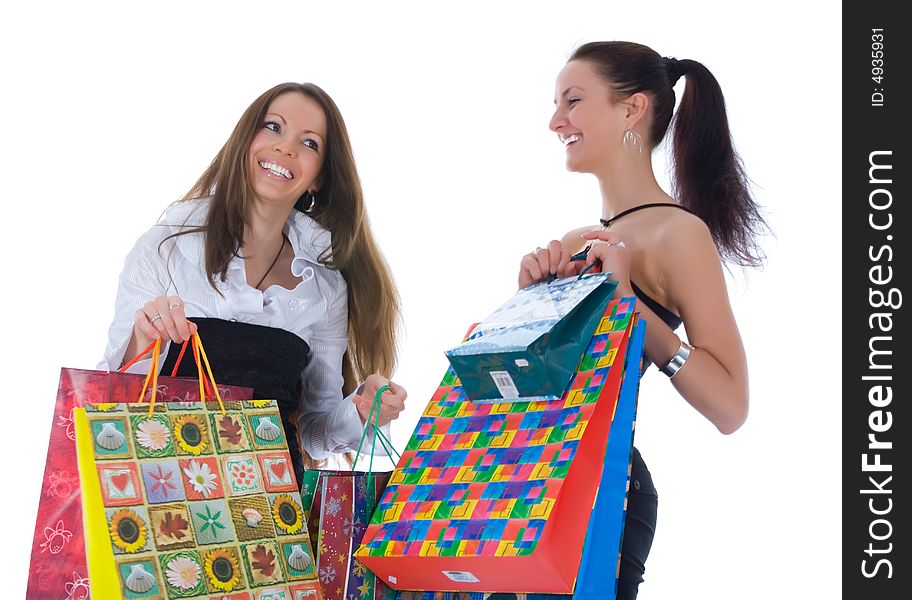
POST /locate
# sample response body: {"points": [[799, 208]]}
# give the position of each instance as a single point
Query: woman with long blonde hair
{"points": [[270, 257]]}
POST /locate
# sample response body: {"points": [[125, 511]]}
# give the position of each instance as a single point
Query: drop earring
{"points": [[306, 201], [633, 143]]}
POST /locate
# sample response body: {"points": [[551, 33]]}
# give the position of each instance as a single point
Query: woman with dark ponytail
{"points": [[614, 104]]}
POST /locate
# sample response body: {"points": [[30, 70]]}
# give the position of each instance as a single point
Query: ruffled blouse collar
{"points": [[308, 239]]}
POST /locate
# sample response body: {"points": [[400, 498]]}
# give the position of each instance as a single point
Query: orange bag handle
{"points": [[199, 354], [196, 359], [136, 358], [198, 347]]}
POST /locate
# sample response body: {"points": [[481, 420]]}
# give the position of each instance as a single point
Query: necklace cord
{"points": [[274, 261], [607, 222]]}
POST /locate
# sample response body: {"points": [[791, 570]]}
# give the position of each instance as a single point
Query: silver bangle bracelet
{"points": [[677, 361]]}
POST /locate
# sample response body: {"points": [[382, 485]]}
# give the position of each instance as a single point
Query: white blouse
{"points": [[316, 310]]}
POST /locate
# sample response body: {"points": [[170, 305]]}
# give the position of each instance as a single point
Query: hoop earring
{"points": [[306, 202], [633, 143]]}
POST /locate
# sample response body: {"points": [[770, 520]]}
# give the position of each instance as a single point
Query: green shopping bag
{"points": [[529, 348]]}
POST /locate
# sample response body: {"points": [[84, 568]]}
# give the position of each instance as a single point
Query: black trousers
{"points": [[639, 528]]}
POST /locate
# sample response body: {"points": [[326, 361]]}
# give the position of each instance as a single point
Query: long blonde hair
{"points": [[374, 314]]}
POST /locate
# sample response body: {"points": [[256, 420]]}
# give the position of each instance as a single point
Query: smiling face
{"points": [[286, 154], [586, 119]]}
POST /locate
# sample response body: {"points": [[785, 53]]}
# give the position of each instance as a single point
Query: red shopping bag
{"points": [[338, 506], [58, 563]]}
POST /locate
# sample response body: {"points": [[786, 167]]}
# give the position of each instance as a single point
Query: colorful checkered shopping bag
{"points": [[211, 508], [58, 563], [497, 497], [596, 580]]}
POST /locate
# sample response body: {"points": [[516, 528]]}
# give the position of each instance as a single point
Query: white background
{"points": [[111, 111]]}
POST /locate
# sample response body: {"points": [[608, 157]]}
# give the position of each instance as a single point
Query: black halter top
{"points": [[670, 319]]}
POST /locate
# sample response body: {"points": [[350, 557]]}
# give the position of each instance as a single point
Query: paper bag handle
{"points": [[384, 441], [582, 255], [588, 268], [136, 358], [199, 356]]}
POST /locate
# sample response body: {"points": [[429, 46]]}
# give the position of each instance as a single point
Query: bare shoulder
{"points": [[572, 242], [683, 238], [665, 245], [691, 269]]}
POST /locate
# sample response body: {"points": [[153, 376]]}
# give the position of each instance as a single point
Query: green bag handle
{"points": [[370, 483], [384, 441], [582, 255], [586, 270]]}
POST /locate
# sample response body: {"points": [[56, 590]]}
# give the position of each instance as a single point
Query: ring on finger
{"points": [[155, 318]]}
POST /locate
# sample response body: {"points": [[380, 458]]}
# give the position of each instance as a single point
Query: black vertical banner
{"points": [[877, 436]]}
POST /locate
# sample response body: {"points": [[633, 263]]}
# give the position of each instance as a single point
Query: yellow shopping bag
{"points": [[190, 500]]}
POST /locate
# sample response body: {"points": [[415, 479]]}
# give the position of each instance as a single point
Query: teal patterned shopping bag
{"points": [[529, 348]]}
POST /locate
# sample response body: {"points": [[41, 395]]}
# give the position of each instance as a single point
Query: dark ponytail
{"points": [[709, 178]]}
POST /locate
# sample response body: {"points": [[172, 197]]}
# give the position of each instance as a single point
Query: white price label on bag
{"points": [[505, 384], [461, 576]]}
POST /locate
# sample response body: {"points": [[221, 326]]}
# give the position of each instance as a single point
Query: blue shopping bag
{"points": [[606, 525]]}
